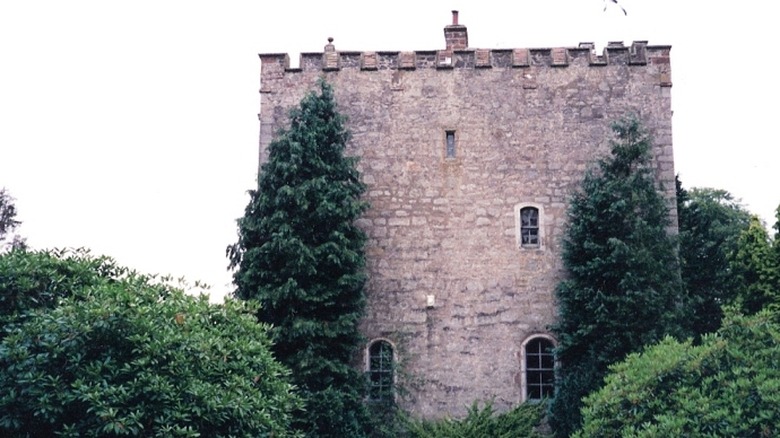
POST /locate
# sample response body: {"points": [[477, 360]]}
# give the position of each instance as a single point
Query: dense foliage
{"points": [[710, 224], [521, 422], [300, 255], [123, 355], [39, 280], [728, 386], [757, 268], [623, 285]]}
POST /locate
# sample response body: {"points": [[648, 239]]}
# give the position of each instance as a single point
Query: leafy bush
{"points": [[129, 357], [520, 422], [39, 279], [728, 386]]}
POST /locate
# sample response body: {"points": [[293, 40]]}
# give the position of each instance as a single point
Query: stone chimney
{"points": [[455, 35]]}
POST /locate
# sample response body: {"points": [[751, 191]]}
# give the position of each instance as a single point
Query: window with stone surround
{"points": [[529, 226], [380, 367], [538, 368]]}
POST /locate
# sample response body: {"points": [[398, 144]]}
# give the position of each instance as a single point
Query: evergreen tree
{"points": [[623, 286], [756, 267], [300, 255], [8, 224], [710, 223]]}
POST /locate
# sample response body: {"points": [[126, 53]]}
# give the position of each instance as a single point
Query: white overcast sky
{"points": [[130, 127]]}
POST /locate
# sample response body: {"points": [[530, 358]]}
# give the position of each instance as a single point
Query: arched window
{"points": [[380, 370], [529, 227], [538, 368]]}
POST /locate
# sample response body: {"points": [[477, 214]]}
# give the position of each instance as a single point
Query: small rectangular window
{"points": [[529, 227], [450, 144]]}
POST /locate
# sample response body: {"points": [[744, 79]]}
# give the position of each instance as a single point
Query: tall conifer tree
{"points": [[301, 256], [623, 284]]}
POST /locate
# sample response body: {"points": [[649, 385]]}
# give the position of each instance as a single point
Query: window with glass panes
{"points": [[539, 369], [529, 227], [380, 370]]}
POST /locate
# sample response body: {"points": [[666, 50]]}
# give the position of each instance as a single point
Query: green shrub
{"points": [[129, 357], [39, 279], [729, 386], [520, 422]]}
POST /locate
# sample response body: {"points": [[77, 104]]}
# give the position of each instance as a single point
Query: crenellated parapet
{"points": [[639, 53]]}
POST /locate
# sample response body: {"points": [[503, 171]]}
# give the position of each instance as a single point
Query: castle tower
{"points": [[470, 156]]}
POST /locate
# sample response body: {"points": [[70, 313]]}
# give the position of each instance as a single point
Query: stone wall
{"points": [[527, 124]]}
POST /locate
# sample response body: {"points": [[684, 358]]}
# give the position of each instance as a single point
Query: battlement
{"points": [[638, 53], [457, 55]]}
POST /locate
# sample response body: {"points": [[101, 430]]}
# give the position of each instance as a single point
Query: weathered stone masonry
{"points": [[450, 285]]}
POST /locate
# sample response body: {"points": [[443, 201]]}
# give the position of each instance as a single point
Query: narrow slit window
{"points": [[529, 227], [450, 144]]}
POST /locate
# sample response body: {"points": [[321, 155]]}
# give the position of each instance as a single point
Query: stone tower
{"points": [[470, 156]]}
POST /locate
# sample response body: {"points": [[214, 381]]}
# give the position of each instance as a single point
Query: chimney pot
{"points": [[456, 36]]}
